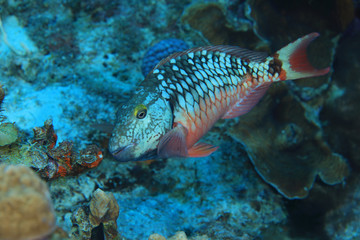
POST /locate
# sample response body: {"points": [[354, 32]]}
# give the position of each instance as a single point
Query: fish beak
{"points": [[122, 153]]}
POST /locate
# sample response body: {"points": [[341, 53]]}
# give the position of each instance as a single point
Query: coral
{"points": [[340, 111], [179, 236], [25, 204], [103, 208], [288, 150], [160, 51], [211, 19], [342, 222], [8, 134], [156, 236], [104, 211], [49, 161], [62, 160], [8, 131]]}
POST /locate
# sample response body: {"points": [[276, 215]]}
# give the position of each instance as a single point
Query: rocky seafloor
{"points": [[289, 169]]}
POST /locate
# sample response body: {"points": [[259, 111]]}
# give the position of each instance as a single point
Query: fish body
{"points": [[186, 93]]}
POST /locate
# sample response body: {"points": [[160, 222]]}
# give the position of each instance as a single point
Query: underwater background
{"points": [[289, 169]]}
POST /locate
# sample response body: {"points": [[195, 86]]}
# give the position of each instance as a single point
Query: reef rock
{"points": [[287, 151], [25, 204]]}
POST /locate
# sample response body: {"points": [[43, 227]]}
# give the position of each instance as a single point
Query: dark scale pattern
{"points": [[193, 78], [196, 76]]}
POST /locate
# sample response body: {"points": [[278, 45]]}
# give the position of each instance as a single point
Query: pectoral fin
{"points": [[173, 143], [201, 150]]}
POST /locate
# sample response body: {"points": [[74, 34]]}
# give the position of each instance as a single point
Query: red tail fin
{"points": [[295, 63]]}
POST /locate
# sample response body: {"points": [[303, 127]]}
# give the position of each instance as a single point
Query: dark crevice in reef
{"points": [[307, 217]]}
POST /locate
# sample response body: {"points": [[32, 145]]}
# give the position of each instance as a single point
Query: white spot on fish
{"points": [[218, 70], [203, 86], [204, 52], [163, 83], [160, 77], [212, 96], [210, 64], [175, 68], [156, 71], [194, 94], [165, 95], [214, 82], [234, 80], [208, 72], [179, 88], [222, 65], [189, 81], [209, 85], [198, 66], [190, 61], [181, 100], [184, 85], [203, 73], [189, 98], [191, 55], [219, 80], [205, 66], [199, 90], [182, 71], [227, 63], [172, 86], [172, 60], [203, 59], [198, 75]]}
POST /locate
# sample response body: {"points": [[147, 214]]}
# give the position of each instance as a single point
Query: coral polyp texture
{"points": [[26, 211]]}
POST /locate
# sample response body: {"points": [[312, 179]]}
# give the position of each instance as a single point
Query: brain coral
{"points": [[26, 210], [159, 51]]}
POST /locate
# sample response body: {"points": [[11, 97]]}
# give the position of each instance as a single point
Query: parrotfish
{"points": [[188, 92]]}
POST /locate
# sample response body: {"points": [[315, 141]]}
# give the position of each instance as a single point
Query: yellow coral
{"points": [[26, 210]]}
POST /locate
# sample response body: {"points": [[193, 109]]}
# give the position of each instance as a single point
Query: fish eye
{"points": [[140, 111], [141, 114]]}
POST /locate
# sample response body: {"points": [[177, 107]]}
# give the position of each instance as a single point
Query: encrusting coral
{"points": [[8, 131], [104, 211], [180, 235], [287, 152], [26, 211]]}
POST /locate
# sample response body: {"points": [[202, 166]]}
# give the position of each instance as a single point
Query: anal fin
{"points": [[245, 104], [201, 150]]}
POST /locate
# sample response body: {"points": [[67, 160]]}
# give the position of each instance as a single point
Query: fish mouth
{"points": [[125, 154], [122, 153]]}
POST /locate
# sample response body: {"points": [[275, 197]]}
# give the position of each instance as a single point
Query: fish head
{"points": [[140, 124]]}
